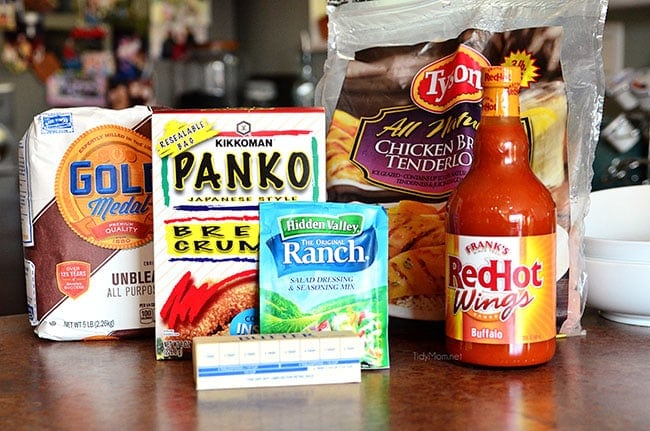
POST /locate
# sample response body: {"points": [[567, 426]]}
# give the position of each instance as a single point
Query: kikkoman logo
{"points": [[450, 80], [243, 128]]}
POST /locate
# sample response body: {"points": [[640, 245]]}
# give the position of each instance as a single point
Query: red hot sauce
{"points": [[500, 261]]}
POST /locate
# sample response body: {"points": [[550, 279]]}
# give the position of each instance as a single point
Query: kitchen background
{"points": [[214, 53]]}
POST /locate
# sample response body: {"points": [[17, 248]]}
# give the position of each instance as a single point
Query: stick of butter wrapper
{"points": [[263, 360]]}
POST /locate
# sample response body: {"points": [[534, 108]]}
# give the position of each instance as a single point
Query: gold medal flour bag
{"points": [[403, 96], [87, 222]]}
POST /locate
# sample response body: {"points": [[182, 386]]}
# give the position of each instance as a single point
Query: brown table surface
{"points": [[598, 381]]}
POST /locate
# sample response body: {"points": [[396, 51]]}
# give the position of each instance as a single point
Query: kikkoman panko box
{"points": [[211, 170]]}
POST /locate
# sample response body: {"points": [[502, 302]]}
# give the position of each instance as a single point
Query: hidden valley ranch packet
{"points": [[323, 267]]}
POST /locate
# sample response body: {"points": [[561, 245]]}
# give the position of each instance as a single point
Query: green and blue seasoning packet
{"points": [[324, 266]]}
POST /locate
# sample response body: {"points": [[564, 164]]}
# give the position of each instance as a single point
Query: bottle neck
{"points": [[500, 102], [501, 139]]}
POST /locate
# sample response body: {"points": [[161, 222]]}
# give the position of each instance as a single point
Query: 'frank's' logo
{"points": [[451, 80]]}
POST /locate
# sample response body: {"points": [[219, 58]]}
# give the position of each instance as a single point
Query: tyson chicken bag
{"points": [[402, 95]]}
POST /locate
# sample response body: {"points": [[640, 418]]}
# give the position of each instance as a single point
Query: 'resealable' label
{"points": [[500, 290]]}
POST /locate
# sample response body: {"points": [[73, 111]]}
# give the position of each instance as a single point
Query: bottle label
{"points": [[500, 290]]}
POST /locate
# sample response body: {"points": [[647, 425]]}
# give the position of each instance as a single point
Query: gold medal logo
{"points": [[103, 187]]}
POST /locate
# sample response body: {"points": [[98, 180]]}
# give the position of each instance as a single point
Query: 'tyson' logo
{"points": [[450, 80]]}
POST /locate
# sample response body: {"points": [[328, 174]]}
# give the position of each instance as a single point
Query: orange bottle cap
{"points": [[500, 76]]}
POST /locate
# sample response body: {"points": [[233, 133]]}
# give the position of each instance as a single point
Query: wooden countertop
{"points": [[598, 381]]}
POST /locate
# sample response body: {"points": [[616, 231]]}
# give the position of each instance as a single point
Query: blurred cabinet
{"points": [[616, 4]]}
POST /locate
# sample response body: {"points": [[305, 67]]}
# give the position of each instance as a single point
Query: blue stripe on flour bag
{"points": [[350, 254]]}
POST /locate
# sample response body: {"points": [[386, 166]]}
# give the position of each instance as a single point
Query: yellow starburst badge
{"points": [[525, 61]]}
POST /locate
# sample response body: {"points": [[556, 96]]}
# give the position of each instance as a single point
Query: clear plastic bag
{"points": [[380, 51]]}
